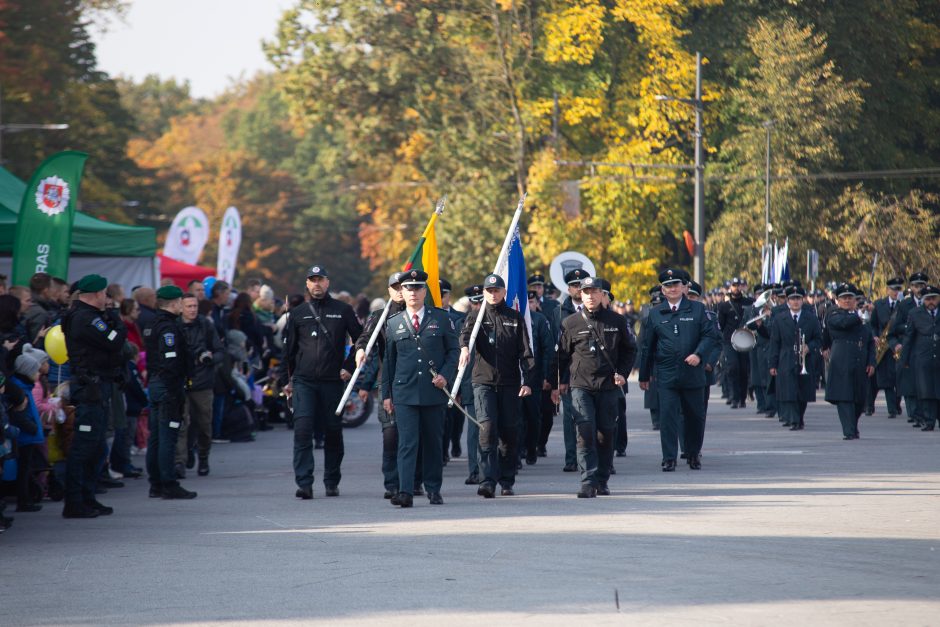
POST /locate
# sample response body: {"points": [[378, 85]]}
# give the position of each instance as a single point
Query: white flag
{"points": [[230, 239], [188, 236]]}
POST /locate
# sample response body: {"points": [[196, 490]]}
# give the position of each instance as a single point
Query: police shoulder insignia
{"points": [[99, 324], [169, 339]]}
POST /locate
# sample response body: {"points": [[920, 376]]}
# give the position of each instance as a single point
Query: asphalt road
{"points": [[778, 528]]}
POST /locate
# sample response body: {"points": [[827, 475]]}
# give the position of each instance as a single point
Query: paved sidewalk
{"points": [[778, 528]]}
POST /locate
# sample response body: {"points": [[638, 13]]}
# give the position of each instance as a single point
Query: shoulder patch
{"points": [[169, 339], [99, 324]]}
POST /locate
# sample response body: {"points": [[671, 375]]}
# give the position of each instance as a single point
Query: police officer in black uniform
{"points": [[883, 319], [317, 366], [474, 294], [371, 374], [94, 338], [922, 349], [170, 366], [851, 361], [907, 386], [503, 372], [571, 304], [795, 336], [543, 344], [595, 354], [678, 340], [736, 364], [420, 359], [547, 305]]}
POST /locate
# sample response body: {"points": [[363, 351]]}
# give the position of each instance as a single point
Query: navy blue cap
{"points": [[493, 280]]}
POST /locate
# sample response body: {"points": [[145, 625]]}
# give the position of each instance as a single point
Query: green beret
{"points": [[169, 292], [92, 283]]}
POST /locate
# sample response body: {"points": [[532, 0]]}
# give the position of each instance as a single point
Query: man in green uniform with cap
{"points": [[170, 367], [94, 338]]}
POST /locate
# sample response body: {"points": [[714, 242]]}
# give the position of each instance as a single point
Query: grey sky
{"points": [[208, 42]]}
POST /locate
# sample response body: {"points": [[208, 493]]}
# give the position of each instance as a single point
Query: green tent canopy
{"points": [[90, 236]]}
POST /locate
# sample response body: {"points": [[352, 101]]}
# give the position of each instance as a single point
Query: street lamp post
{"points": [[19, 128], [768, 124], [699, 204]]}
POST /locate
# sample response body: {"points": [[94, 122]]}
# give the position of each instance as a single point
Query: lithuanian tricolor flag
{"points": [[425, 258]]}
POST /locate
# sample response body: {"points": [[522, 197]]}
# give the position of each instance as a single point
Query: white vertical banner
{"points": [[188, 235], [230, 239]]}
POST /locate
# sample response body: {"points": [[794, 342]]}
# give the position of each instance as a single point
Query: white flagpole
{"points": [[499, 262], [439, 210]]}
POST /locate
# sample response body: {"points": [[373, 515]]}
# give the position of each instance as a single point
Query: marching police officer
{"points": [[503, 372], [907, 387], [547, 305], [170, 369], [208, 353], [420, 359], [678, 340], [795, 335], [94, 338], [851, 361], [371, 375], [572, 304], [883, 319], [595, 354], [543, 344], [650, 398], [922, 349], [317, 366], [730, 318]]}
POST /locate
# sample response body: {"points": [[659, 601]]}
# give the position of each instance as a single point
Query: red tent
{"points": [[182, 273]]}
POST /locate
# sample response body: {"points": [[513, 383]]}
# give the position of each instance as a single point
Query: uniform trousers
{"points": [[567, 423], [595, 418], [737, 368], [473, 441], [420, 426], [199, 423], [390, 452], [89, 442], [548, 409], [678, 407], [498, 410], [165, 422], [532, 425], [313, 401], [849, 413], [792, 412], [622, 438], [929, 410]]}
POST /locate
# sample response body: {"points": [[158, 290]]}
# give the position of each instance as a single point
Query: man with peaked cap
{"points": [[595, 355], [318, 368], [851, 360], [170, 366], [650, 396], [736, 364], [883, 319], [421, 355], [907, 387], [371, 375], [474, 294], [921, 350], [795, 335], [572, 304], [532, 406], [503, 373], [546, 305], [94, 338], [678, 340]]}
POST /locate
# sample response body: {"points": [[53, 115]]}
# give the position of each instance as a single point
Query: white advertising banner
{"points": [[230, 239], [188, 236]]}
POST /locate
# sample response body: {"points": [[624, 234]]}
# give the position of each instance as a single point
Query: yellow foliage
{"points": [[574, 34]]}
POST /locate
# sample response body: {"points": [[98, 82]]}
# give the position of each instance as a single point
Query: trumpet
{"points": [[801, 354]]}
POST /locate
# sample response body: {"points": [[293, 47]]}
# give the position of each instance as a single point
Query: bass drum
{"points": [[743, 340]]}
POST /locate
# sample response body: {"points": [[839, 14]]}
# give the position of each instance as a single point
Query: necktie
{"points": [[579, 308], [891, 305], [675, 308], [796, 319], [414, 321]]}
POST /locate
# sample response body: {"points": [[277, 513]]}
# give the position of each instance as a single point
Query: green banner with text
{"points": [[44, 226]]}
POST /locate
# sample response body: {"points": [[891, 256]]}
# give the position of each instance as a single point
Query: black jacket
{"points": [[782, 355], [581, 358], [731, 316], [95, 341], [669, 337], [503, 354], [921, 352], [169, 359], [853, 349], [316, 339], [201, 337]]}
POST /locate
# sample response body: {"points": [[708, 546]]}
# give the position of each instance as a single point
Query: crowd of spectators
{"points": [[241, 333]]}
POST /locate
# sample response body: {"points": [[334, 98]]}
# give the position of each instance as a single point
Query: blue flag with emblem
{"points": [[516, 278]]}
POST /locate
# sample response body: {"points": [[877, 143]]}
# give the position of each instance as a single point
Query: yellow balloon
{"points": [[55, 345]]}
